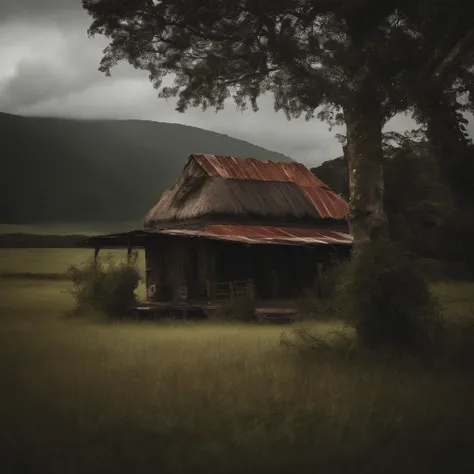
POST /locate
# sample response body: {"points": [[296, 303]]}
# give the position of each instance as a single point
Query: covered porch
{"points": [[187, 271]]}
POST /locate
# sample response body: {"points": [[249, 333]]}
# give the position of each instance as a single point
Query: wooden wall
{"points": [[173, 263], [277, 271]]}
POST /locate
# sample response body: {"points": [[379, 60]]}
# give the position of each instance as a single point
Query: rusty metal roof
{"points": [[253, 234], [247, 234], [328, 204]]}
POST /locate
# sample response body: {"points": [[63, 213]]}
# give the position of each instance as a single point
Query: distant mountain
{"points": [[62, 170]]}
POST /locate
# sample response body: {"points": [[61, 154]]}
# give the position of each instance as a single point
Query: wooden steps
{"points": [[205, 309]]}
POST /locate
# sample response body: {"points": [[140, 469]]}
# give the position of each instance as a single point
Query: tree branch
{"points": [[249, 75], [455, 55]]}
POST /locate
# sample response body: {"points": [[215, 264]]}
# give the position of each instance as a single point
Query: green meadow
{"points": [[43, 263], [69, 228], [84, 395]]}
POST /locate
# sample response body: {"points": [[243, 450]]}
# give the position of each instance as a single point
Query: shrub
{"points": [[387, 298], [108, 286], [319, 301]]}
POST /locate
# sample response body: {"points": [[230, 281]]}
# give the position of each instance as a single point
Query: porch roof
{"points": [[246, 234]]}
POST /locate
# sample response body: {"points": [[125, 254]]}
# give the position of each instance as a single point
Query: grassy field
{"points": [[39, 263], [69, 228], [80, 395]]}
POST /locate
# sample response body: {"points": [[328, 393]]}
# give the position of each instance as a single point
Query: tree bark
{"points": [[367, 219]]}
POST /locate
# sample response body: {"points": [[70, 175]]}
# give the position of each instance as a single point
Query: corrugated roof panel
{"points": [[266, 234], [328, 204], [276, 234], [249, 234], [230, 167], [301, 175]]}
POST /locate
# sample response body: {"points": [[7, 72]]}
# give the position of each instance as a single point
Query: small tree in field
{"points": [[108, 286]]}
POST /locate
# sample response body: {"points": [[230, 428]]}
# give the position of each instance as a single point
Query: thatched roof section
{"points": [[231, 187], [233, 198]]}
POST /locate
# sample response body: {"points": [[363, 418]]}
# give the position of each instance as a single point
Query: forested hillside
{"points": [[60, 170]]}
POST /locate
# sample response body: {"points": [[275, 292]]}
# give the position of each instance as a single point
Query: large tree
{"points": [[356, 62], [332, 56]]}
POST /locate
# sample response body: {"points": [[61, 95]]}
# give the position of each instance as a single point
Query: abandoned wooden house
{"points": [[238, 225]]}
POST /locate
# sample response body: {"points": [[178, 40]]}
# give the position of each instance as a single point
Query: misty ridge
{"points": [[66, 170]]}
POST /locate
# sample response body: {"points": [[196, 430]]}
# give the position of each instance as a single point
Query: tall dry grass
{"points": [[87, 396]]}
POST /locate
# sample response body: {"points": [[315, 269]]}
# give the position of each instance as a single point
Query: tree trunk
{"points": [[367, 219]]}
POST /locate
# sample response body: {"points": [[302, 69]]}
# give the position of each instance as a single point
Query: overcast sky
{"points": [[48, 67]]}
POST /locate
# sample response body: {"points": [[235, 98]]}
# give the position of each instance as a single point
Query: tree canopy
{"points": [[299, 50], [309, 53]]}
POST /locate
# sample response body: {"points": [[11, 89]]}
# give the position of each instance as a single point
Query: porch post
{"points": [[320, 272], [250, 282], [210, 272]]}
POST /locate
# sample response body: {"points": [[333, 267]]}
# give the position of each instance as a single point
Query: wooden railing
{"points": [[220, 290], [232, 289], [181, 295]]}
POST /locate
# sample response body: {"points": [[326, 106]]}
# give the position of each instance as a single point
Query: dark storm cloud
{"points": [[38, 8], [44, 59], [45, 52], [62, 64], [43, 47], [40, 79]]}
